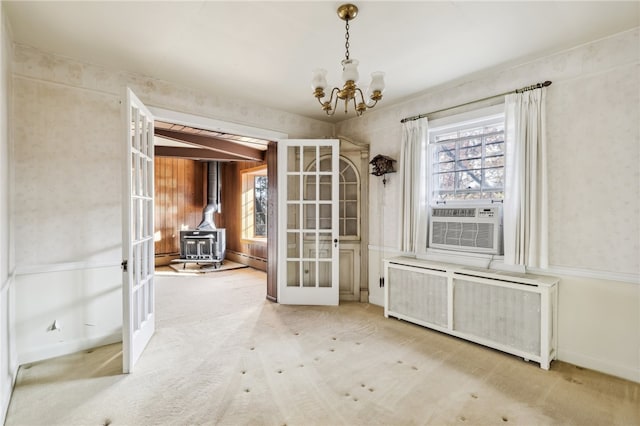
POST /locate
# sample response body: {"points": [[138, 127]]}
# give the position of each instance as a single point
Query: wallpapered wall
{"points": [[69, 146], [593, 108], [69, 159], [8, 361], [593, 111], [68, 174]]}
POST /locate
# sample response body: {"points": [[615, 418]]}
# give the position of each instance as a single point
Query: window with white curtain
{"points": [[477, 158], [465, 167], [467, 159]]}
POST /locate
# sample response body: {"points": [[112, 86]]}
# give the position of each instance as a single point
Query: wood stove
{"points": [[205, 245]]}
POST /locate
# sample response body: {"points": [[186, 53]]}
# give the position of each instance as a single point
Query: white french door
{"points": [[138, 292], [308, 253]]}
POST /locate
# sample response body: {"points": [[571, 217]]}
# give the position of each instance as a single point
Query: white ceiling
{"points": [[265, 51]]}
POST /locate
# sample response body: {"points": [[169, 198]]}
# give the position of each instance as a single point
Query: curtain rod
{"points": [[524, 89]]}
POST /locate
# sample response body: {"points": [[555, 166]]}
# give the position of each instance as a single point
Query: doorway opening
{"points": [[195, 140], [210, 199], [353, 219]]}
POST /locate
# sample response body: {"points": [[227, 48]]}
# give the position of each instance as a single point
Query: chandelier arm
{"points": [[326, 105], [334, 91], [363, 99], [335, 103], [355, 105]]}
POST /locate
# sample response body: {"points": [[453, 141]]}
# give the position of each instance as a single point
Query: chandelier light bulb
{"points": [[377, 82], [319, 79], [350, 70]]}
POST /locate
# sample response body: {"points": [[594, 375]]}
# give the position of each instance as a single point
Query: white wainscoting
{"points": [[84, 299], [9, 363], [598, 315]]}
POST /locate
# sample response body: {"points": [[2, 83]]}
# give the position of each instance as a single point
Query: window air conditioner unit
{"points": [[476, 229]]}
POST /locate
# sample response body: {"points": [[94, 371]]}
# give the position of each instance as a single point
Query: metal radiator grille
{"points": [[419, 296], [463, 234], [503, 315]]}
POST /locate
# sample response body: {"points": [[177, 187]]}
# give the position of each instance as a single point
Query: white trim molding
{"points": [[66, 266], [391, 251], [8, 281], [212, 124], [598, 364], [588, 273], [495, 262]]}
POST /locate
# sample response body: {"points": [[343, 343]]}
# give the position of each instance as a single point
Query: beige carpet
{"points": [[224, 355]]}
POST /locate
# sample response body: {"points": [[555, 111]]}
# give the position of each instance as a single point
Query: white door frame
{"points": [[352, 149], [206, 123]]}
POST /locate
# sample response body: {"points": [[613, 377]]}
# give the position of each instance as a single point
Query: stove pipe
{"points": [[213, 197]]}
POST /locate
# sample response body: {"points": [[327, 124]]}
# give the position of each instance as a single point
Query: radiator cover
{"points": [[515, 313]]}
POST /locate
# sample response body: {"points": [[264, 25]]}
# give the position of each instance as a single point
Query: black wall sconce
{"points": [[381, 165]]}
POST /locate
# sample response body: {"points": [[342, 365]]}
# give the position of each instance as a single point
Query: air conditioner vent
{"points": [[453, 212], [473, 229]]}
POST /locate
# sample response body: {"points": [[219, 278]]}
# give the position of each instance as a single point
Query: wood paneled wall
{"points": [[180, 196], [232, 211]]}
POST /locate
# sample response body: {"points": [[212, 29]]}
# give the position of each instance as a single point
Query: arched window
{"points": [[349, 198]]}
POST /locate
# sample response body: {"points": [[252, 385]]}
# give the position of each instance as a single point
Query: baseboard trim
{"points": [[246, 259], [600, 365], [7, 391], [66, 348], [375, 301]]}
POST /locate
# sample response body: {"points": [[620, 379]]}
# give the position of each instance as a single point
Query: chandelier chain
{"points": [[346, 43]]}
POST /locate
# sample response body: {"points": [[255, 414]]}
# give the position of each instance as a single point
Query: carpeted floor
{"points": [[224, 355]]}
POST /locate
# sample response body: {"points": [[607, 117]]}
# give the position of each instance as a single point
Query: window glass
{"points": [[260, 206], [468, 160], [254, 203], [348, 196], [348, 199]]}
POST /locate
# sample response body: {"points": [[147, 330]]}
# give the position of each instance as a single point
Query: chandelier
{"points": [[350, 92]]}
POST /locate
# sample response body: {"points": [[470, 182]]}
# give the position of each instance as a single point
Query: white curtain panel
{"points": [[525, 217], [414, 142]]}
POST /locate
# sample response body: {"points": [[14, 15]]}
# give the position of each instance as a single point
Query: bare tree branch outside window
{"points": [[260, 206]]}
